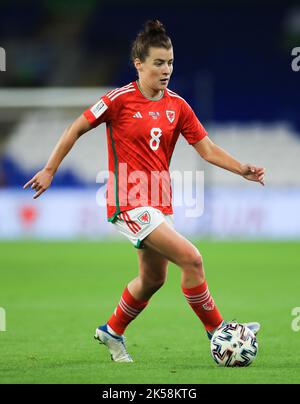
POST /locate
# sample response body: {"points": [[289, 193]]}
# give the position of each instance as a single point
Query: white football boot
{"points": [[254, 327], [115, 344]]}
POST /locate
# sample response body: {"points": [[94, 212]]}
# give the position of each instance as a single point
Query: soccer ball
{"points": [[234, 345]]}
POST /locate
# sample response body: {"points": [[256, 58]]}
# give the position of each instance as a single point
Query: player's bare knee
{"points": [[193, 261], [193, 266], [198, 262], [155, 282]]}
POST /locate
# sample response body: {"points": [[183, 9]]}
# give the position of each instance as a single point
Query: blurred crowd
{"points": [[236, 54]]}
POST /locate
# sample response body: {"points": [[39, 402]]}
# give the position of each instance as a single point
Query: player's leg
{"points": [[153, 268], [165, 241], [135, 297]]}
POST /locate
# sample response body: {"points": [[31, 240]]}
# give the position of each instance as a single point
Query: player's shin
{"points": [[201, 301], [126, 311]]}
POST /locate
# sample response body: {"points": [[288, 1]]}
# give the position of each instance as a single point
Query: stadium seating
{"points": [[275, 147]]}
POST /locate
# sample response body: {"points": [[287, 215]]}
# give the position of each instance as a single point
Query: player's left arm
{"points": [[214, 154]]}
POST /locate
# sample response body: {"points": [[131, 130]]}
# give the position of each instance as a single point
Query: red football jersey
{"points": [[141, 136]]}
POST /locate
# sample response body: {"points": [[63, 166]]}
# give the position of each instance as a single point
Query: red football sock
{"points": [[126, 311], [203, 305]]}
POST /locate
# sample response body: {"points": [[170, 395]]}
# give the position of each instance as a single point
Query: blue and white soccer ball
{"points": [[233, 345]]}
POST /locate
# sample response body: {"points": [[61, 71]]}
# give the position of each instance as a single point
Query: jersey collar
{"points": [[147, 98]]}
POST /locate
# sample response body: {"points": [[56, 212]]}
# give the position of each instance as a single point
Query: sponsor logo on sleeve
{"points": [[98, 109]]}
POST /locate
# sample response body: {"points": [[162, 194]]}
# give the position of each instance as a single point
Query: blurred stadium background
{"points": [[233, 65]]}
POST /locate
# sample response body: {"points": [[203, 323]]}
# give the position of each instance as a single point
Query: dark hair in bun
{"points": [[153, 35]]}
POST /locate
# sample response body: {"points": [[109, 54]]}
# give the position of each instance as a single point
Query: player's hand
{"points": [[40, 182], [253, 173]]}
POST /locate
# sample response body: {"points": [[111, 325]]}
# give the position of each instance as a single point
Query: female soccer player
{"points": [[144, 120]]}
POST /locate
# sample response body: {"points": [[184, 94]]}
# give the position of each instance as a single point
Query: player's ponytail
{"points": [[153, 35]]}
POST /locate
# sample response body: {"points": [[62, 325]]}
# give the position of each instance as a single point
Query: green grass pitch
{"points": [[55, 294]]}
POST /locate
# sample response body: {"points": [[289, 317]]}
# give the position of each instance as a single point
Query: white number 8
{"points": [[155, 135]]}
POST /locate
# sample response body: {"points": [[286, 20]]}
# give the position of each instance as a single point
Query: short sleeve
{"points": [[100, 112], [191, 128]]}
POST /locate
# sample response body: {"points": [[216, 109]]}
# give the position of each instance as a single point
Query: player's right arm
{"points": [[43, 179], [102, 111]]}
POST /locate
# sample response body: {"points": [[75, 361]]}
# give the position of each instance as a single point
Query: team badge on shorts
{"points": [[170, 115], [144, 218]]}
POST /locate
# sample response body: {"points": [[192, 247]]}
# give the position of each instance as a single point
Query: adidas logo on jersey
{"points": [[138, 115]]}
